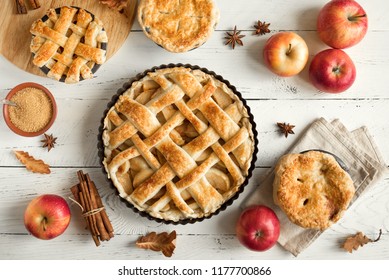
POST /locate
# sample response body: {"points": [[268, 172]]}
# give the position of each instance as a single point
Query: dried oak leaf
{"points": [[164, 242], [358, 240], [32, 164]]}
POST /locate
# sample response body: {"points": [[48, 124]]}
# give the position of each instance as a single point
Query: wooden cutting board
{"points": [[15, 34]]}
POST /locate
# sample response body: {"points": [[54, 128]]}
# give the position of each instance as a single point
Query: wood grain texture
{"points": [[15, 28], [213, 247], [253, 79], [271, 99], [215, 237], [77, 133]]}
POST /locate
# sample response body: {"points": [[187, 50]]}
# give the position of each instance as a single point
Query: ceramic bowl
{"points": [[6, 110]]}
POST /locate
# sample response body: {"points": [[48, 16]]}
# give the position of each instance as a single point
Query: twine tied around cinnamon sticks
{"points": [[87, 197], [86, 214]]}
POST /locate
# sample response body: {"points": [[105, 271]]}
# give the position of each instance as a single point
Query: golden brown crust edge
{"points": [[312, 189]]}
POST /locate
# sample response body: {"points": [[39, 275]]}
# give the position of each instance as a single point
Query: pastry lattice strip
{"points": [[197, 174]]}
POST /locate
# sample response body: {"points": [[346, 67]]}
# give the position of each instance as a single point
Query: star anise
{"points": [[234, 38], [286, 129], [261, 28], [49, 141]]}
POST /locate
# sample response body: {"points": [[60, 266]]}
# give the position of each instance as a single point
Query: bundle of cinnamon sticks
{"points": [[86, 194]]}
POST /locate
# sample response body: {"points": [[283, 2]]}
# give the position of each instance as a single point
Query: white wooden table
{"points": [[271, 98]]}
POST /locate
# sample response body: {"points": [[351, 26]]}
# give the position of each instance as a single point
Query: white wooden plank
{"points": [[20, 186], [243, 67], [78, 122], [273, 99], [209, 247], [285, 15], [353, 113], [215, 237]]}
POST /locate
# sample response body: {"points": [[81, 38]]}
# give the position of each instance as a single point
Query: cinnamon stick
{"points": [[21, 7], [34, 4], [90, 222], [88, 206], [104, 216], [99, 222], [86, 194], [76, 191]]}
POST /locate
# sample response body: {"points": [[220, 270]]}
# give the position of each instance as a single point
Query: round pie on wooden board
{"points": [[15, 33]]}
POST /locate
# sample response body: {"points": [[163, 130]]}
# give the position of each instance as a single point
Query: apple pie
{"points": [[178, 26], [69, 44], [178, 144], [312, 189]]}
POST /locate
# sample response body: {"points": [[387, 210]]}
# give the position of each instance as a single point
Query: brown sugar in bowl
{"points": [[17, 128]]}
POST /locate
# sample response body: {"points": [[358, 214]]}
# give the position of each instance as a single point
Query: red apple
{"points": [[342, 23], [47, 216], [285, 54], [258, 228], [332, 71]]}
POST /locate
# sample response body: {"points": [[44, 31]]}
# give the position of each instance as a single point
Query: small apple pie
{"points": [[312, 189], [178, 26], [178, 144], [69, 44]]}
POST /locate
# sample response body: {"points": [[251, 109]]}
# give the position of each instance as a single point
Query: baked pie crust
{"points": [[68, 44], [178, 26], [312, 189], [178, 144]]}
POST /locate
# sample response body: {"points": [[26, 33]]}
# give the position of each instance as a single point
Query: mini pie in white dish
{"points": [[178, 26], [178, 144], [312, 189]]}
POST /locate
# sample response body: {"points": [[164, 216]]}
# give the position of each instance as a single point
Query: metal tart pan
{"points": [[127, 85]]}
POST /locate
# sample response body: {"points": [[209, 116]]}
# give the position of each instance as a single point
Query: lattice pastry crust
{"points": [[178, 26], [178, 144], [69, 44]]}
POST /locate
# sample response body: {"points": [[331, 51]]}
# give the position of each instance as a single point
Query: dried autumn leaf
{"points": [[32, 164], [358, 240], [163, 242]]}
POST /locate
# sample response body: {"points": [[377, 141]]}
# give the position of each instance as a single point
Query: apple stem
{"points": [[353, 18], [336, 70], [289, 49], [379, 236], [44, 223], [258, 234]]}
